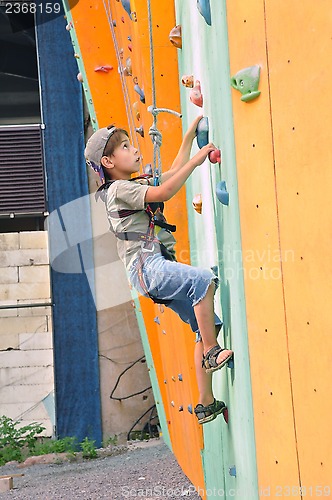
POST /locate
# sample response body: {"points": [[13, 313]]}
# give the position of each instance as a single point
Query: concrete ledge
{"points": [[6, 484], [24, 324], [9, 275], [33, 239], [9, 241], [24, 257], [34, 274], [17, 291]]}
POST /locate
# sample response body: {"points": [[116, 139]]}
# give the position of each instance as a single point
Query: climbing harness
{"points": [[148, 239]]}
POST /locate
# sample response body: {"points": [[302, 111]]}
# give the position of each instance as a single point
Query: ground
{"points": [[140, 470]]}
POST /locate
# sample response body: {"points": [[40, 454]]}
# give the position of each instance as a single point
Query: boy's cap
{"points": [[96, 144]]}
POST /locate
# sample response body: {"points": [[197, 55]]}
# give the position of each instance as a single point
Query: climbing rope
{"points": [[154, 133], [131, 120]]}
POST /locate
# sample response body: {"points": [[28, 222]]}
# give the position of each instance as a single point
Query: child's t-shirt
{"points": [[130, 195]]}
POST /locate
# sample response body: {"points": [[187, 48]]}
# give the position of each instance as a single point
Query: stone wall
{"points": [[26, 354]]}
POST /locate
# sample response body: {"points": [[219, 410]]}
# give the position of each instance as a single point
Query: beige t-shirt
{"points": [[130, 195]]}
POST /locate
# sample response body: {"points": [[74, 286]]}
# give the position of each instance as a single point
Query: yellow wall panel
{"points": [[271, 387], [300, 76]]}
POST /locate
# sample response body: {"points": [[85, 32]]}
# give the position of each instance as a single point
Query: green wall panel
{"points": [[215, 239]]}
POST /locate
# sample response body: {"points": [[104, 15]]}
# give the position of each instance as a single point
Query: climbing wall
{"points": [[113, 68], [216, 241], [265, 222]]}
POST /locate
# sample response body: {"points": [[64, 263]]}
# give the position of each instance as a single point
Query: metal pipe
{"points": [[20, 306]]}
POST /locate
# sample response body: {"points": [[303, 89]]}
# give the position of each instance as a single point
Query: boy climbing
{"points": [[146, 245]]}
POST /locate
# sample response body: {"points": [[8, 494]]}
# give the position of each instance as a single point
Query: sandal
{"points": [[209, 361], [205, 414]]}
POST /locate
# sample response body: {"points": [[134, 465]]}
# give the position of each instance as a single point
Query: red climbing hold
{"points": [[196, 94], [225, 415], [104, 69], [215, 156]]}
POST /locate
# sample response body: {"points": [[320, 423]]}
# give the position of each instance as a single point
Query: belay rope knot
{"points": [[156, 138], [155, 135]]}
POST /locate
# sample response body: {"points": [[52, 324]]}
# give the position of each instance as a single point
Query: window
{"points": [[22, 185]]}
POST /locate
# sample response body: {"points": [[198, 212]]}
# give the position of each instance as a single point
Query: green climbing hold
{"points": [[247, 81]]}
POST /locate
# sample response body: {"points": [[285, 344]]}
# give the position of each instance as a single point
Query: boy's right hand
{"points": [[199, 157]]}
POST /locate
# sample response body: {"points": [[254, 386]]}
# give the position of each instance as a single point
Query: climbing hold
{"points": [[215, 156], [165, 381], [126, 6], [129, 38], [180, 408], [230, 363], [161, 308], [222, 194], [180, 377], [134, 17], [163, 332], [175, 36], [232, 471], [190, 409], [122, 19], [188, 81], [80, 77], [114, 24], [147, 169], [172, 403], [173, 378], [195, 95], [156, 320], [205, 10], [77, 56], [130, 47], [136, 110], [140, 92], [128, 69], [247, 81], [202, 132], [197, 203], [104, 69], [225, 415], [121, 53], [140, 131], [69, 26]]}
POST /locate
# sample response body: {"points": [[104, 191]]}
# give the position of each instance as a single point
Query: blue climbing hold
{"points": [[202, 132], [232, 471], [126, 6], [222, 194], [205, 10], [230, 363]]}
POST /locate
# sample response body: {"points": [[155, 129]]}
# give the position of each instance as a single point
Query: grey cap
{"points": [[96, 144]]}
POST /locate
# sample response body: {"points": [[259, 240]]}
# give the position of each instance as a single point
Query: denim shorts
{"points": [[185, 286]]}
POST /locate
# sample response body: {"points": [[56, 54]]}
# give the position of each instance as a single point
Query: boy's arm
{"points": [[172, 185], [184, 152]]}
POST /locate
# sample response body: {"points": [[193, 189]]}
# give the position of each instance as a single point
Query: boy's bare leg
{"points": [[204, 380], [204, 312]]}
